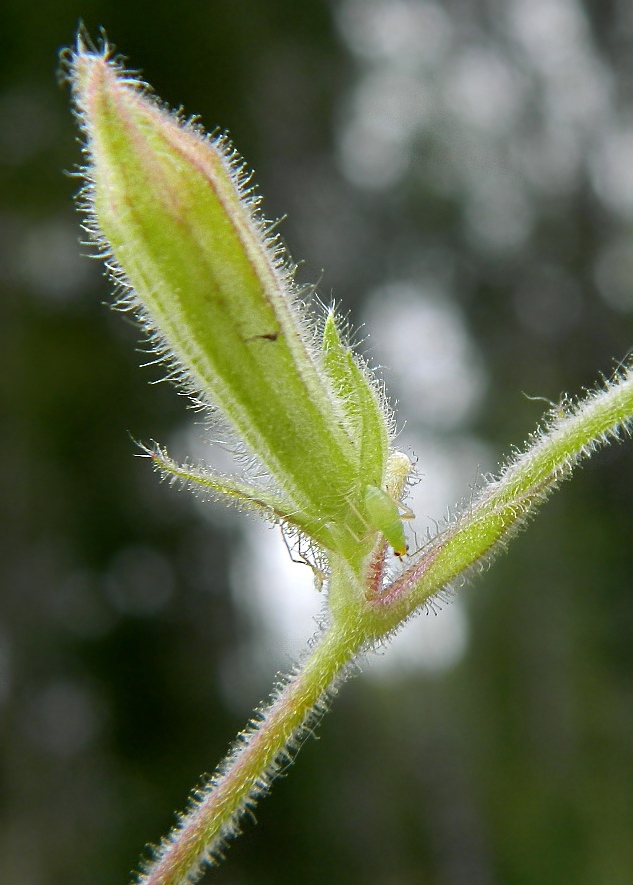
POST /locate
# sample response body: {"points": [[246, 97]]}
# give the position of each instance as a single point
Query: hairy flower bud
{"points": [[181, 232]]}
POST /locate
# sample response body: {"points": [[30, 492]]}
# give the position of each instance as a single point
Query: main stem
{"points": [[493, 516], [248, 770]]}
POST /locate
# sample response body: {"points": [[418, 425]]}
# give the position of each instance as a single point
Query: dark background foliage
{"points": [[482, 149]]}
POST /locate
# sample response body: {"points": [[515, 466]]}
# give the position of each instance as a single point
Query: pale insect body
{"points": [[384, 515], [382, 506]]}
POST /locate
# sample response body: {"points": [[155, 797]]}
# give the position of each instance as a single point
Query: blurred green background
{"points": [[459, 175]]}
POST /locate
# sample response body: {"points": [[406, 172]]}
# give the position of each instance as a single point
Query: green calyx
{"points": [[197, 263]]}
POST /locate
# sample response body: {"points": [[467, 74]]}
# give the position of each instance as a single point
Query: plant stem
{"points": [[502, 506], [275, 734], [266, 744]]}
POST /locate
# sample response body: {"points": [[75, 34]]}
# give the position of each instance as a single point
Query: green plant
{"points": [[173, 215]]}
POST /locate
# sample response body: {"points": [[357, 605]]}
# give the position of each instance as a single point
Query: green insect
{"points": [[384, 515]]}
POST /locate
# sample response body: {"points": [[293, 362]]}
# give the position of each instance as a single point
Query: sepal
{"points": [[365, 414], [183, 236], [237, 491]]}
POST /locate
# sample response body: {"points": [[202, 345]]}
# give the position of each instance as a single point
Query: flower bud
{"points": [[181, 233]]}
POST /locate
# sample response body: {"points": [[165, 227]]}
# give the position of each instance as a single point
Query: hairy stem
{"points": [[502, 506], [269, 741]]}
